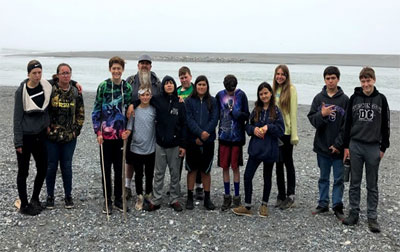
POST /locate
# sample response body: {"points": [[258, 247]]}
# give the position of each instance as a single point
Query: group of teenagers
{"points": [[157, 124]]}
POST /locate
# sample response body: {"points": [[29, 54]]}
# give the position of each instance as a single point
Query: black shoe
{"points": [[189, 204], [120, 206], [199, 193], [50, 202], [373, 226], [320, 210], [176, 206], [208, 204], [150, 207], [351, 219], [37, 204], [338, 210], [237, 201], [227, 202], [69, 204], [29, 210], [110, 207]]}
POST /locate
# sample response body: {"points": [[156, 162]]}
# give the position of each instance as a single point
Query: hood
{"points": [[168, 78], [359, 91], [338, 93]]}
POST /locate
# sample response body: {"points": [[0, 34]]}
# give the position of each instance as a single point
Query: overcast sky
{"points": [[280, 26]]}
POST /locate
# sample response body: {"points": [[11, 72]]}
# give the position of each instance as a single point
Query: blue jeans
{"points": [[62, 152], [325, 164]]}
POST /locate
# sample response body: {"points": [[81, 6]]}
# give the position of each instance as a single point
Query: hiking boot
{"points": [[50, 202], [237, 201], [110, 207], [37, 204], [320, 210], [69, 203], [242, 210], [278, 203], [351, 219], [128, 193], [199, 193], [148, 196], [118, 204], [227, 202], [208, 204], [287, 203], [338, 210], [263, 211], [373, 225], [189, 203], [29, 210], [176, 206], [139, 202]]}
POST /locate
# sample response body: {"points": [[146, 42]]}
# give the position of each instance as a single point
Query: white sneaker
{"points": [[139, 202]]}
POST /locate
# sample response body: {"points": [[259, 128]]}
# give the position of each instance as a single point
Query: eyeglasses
{"points": [[65, 73]]}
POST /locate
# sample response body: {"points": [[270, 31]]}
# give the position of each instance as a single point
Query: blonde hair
{"points": [[284, 99]]}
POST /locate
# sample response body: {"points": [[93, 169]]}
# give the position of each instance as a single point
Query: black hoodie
{"points": [[330, 129], [368, 119], [170, 118]]}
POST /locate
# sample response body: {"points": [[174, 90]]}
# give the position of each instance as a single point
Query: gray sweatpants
{"points": [[368, 154], [164, 157]]}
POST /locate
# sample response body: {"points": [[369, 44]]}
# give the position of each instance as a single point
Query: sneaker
{"points": [[128, 193], [263, 211], [139, 202], [208, 204], [189, 203], [242, 210], [237, 202], [338, 210], [110, 207], [199, 193], [351, 219], [37, 204], [373, 225], [69, 203], [29, 210], [50, 202], [176, 206], [118, 204], [227, 202], [278, 203], [287, 203], [148, 206], [320, 210]]}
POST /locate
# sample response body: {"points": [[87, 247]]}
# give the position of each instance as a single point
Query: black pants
{"points": [[112, 150], [146, 161], [35, 145], [251, 168], [286, 157]]}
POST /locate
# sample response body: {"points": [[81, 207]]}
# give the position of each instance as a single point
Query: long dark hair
{"points": [[55, 77], [207, 95], [259, 105]]}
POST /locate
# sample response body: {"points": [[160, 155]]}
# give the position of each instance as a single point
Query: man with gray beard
{"points": [[143, 78]]}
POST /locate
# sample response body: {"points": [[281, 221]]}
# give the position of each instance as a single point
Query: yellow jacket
{"points": [[291, 118]]}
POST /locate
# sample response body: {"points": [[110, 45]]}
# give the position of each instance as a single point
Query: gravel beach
{"points": [[85, 228]]}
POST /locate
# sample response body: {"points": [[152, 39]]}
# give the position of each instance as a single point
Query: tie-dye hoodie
{"points": [[109, 109]]}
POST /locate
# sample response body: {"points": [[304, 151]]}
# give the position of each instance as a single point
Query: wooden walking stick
{"points": [[123, 178], [104, 180]]}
